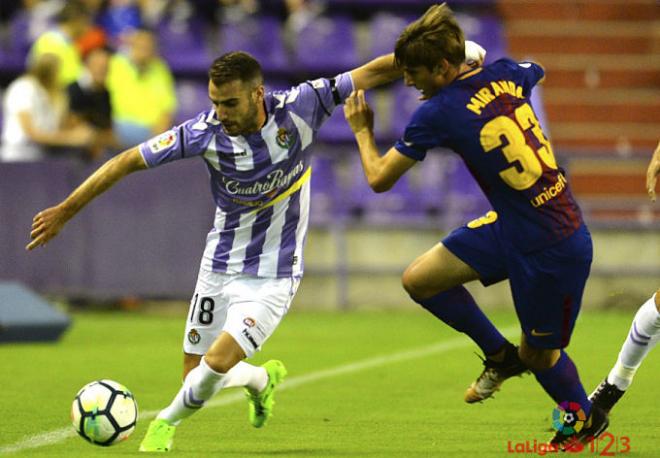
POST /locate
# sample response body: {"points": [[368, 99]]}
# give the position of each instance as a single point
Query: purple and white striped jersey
{"points": [[260, 182]]}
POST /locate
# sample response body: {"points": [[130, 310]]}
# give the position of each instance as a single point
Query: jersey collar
{"points": [[469, 73]]}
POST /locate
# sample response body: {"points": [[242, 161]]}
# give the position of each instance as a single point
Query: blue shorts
{"points": [[546, 285]]}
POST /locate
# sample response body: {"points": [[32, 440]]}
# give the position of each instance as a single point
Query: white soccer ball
{"points": [[104, 412]]}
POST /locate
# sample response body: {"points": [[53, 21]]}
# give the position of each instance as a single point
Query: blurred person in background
{"points": [[300, 13], [142, 90], [36, 116], [119, 19], [73, 21], [89, 101], [644, 332], [41, 15], [236, 10]]}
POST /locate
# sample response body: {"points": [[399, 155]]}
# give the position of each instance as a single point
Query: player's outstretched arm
{"points": [[383, 69], [382, 172], [376, 72], [652, 173], [47, 223]]}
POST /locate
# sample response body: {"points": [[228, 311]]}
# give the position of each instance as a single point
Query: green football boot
{"points": [[159, 437], [261, 404]]}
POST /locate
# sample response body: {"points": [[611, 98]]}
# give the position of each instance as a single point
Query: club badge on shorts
{"points": [[194, 337], [249, 322]]}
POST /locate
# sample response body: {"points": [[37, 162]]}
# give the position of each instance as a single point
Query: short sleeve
{"points": [[527, 74], [422, 133], [188, 139], [314, 101]]}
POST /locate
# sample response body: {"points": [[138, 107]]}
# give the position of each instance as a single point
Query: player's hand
{"points": [[652, 173], [474, 54], [358, 113], [47, 224]]}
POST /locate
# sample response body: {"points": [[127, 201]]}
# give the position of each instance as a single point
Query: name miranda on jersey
{"points": [[487, 94], [276, 179]]}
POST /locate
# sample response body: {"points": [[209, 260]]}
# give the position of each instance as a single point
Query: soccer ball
{"points": [[104, 412]]}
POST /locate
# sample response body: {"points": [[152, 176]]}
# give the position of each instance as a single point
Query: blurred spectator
{"points": [[89, 101], [141, 90], [41, 16], [73, 21], [300, 13], [120, 19], [153, 12], [237, 10], [34, 110], [95, 36]]}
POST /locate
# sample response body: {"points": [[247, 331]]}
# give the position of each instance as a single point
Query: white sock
{"points": [[252, 377], [644, 334], [200, 385]]}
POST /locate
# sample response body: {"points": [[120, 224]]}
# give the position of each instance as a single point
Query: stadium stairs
{"points": [[601, 94]]}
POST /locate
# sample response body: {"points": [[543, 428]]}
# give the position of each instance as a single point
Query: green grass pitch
{"points": [[361, 384]]}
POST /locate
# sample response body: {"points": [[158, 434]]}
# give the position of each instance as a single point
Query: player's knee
{"points": [[415, 288], [657, 300], [538, 359], [220, 362]]}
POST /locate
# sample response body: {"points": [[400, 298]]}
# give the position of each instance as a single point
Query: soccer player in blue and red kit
{"points": [[535, 236]]}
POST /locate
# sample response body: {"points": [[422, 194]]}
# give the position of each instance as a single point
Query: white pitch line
{"points": [[60, 435]]}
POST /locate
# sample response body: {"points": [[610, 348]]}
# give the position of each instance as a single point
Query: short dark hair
{"points": [[433, 37], [235, 65]]}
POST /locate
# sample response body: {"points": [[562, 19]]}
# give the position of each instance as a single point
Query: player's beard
{"points": [[248, 124]]}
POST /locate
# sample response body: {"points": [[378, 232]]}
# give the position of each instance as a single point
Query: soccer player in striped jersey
{"points": [[644, 332], [256, 149], [535, 237]]}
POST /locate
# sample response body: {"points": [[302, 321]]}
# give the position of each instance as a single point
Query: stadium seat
{"points": [[434, 183], [184, 46], [336, 129], [193, 98], [465, 200], [261, 37], [405, 101], [14, 51], [399, 205], [324, 191], [487, 31], [327, 46], [384, 29]]}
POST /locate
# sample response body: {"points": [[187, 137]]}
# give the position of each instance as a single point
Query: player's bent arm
{"points": [[652, 173], [382, 172], [48, 223], [383, 69], [376, 72]]}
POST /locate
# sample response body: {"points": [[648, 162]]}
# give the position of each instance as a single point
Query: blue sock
{"points": [[562, 383], [457, 308]]}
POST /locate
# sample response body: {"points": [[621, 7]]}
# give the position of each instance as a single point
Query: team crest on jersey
{"points": [[194, 337], [284, 139], [162, 142]]}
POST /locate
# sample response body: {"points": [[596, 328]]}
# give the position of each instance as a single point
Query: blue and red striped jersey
{"points": [[485, 116]]}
